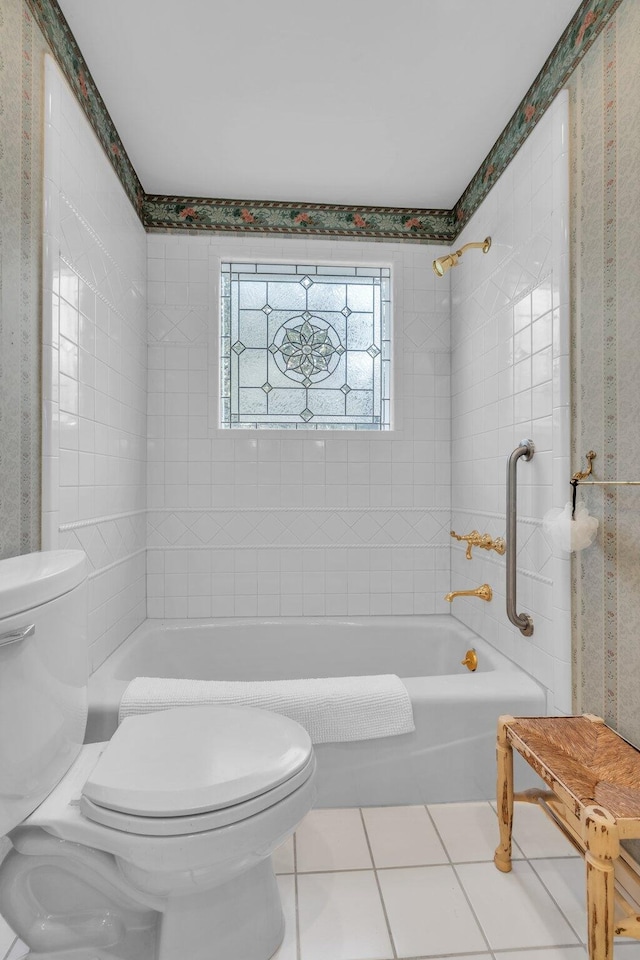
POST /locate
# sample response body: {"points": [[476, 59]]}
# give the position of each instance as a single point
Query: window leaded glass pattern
{"points": [[305, 347]]}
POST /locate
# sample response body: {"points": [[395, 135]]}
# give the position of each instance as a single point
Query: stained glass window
{"points": [[305, 347]]}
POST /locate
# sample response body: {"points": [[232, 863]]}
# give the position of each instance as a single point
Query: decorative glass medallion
{"points": [[307, 352], [305, 348]]}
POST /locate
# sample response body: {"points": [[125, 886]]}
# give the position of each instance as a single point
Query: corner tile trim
{"points": [[67, 54], [168, 213], [93, 521], [116, 563]]}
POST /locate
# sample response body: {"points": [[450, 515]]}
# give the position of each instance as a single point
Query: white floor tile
{"points": [[536, 835], [332, 840], [462, 956], [565, 880], [428, 913], [402, 837], [341, 917], [283, 861], [19, 951], [626, 949], [289, 946], [7, 936], [551, 953], [469, 831], [514, 908]]}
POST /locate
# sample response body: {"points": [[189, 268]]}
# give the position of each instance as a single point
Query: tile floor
{"points": [[418, 882]]}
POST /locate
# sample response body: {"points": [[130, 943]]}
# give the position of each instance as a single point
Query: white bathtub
{"points": [[451, 754]]}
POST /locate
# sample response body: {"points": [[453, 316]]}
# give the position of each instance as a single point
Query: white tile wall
{"points": [[510, 381], [315, 523], [94, 392]]}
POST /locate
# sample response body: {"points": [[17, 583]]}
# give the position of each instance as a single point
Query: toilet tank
{"points": [[43, 676]]}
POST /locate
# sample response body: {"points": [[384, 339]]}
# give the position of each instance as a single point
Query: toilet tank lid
{"points": [[36, 578]]}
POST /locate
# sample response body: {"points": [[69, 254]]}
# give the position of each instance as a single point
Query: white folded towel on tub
{"points": [[331, 709]]}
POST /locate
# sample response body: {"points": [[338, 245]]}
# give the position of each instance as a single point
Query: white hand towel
{"points": [[331, 709]]}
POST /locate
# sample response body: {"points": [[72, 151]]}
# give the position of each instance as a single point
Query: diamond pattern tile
{"points": [[107, 541], [296, 527], [181, 324]]}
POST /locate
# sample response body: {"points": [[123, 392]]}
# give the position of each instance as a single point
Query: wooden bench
{"points": [[593, 776]]}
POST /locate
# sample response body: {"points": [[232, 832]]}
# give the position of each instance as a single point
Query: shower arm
{"points": [[479, 245]]}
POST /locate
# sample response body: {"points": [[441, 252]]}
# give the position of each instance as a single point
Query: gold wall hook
{"points": [[471, 660], [583, 474], [482, 540], [483, 592]]}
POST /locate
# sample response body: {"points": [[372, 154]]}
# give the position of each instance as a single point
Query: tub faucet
{"points": [[484, 593], [484, 540]]}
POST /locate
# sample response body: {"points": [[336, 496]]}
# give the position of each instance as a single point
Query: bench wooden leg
{"points": [[504, 794], [603, 848], [600, 906]]}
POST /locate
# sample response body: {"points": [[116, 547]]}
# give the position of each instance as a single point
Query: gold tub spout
{"points": [[484, 593]]}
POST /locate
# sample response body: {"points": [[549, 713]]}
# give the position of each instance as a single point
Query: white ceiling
{"points": [[363, 102]]}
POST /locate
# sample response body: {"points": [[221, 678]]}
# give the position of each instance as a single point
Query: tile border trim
{"points": [[302, 509], [533, 521], [94, 521], [168, 213], [97, 572], [298, 546]]}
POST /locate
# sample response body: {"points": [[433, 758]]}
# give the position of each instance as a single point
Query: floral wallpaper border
{"points": [[586, 24], [263, 216], [66, 51]]}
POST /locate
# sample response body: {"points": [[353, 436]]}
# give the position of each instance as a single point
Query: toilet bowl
{"points": [[155, 845]]}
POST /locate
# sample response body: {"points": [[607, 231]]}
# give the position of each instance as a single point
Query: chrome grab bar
{"points": [[14, 636], [521, 620]]}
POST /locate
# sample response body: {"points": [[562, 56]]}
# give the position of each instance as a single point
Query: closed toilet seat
{"points": [[192, 769]]}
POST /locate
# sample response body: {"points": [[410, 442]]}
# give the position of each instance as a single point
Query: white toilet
{"points": [[156, 845]]}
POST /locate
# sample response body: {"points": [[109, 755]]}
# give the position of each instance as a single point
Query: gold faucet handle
{"points": [[471, 660], [471, 539], [483, 540], [499, 544]]}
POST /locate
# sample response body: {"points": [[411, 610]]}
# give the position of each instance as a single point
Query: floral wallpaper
{"points": [[21, 55], [605, 236]]}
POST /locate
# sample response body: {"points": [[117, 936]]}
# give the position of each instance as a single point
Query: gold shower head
{"points": [[442, 264]]}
